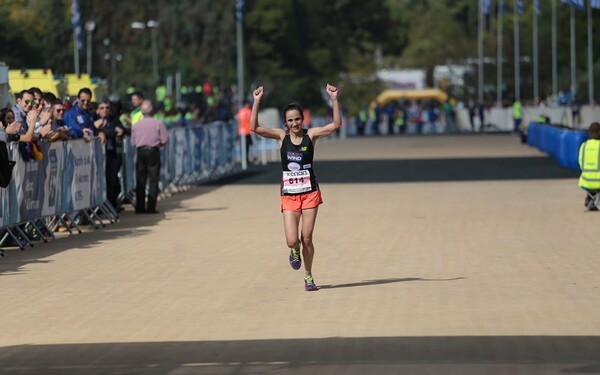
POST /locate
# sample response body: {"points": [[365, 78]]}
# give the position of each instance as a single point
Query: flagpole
{"points": [[480, 54], [573, 61], [517, 54], [536, 74], [75, 53], [590, 55], [499, 57], [554, 53], [240, 75], [240, 64]]}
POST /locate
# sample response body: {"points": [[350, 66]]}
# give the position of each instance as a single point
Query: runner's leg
{"points": [[291, 219], [309, 217]]}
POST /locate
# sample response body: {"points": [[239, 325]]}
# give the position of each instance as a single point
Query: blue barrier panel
{"points": [[543, 140], [69, 177], [553, 140], [574, 142], [532, 134], [562, 151]]}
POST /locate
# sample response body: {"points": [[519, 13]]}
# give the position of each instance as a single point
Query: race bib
{"points": [[296, 182]]}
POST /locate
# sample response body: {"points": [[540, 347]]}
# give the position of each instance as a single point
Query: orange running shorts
{"points": [[301, 201]]}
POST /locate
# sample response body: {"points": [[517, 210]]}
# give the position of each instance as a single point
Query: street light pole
{"points": [[114, 59], [89, 28], [153, 26]]}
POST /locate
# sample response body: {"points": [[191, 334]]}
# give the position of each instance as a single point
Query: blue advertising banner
{"points": [[71, 175]]}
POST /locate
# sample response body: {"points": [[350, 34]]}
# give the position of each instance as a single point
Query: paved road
{"points": [[435, 255]]}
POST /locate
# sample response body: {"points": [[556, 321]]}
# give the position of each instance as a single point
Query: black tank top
{"points": [[296, 163]]}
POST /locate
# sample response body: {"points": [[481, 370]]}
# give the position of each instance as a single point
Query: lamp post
{"points": [[113, 57], [89, 28], [153, 26]]}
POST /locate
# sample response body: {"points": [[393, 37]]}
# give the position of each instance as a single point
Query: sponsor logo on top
{"points": [[294, 156], [293, 166]]}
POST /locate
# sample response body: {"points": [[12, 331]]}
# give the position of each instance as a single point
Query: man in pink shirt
{"points": [[147, 136]]}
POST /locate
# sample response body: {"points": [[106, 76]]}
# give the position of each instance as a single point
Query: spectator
{"points": [[22, 107], [390, 110], [401, 117], [576, 112], [589, 154], [59, 130], [361, 120], [433, 114], [481, 111], [147, 137], [136, 113], [113, 131], [9, 128], [27, 118], [517, 115], [78, 118], [471, 107], [43, 112], [243, 116], [448, 116], [37, 97]]}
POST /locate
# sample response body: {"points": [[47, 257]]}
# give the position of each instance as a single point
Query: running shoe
{"points": [[295, 260], [309, 284]]}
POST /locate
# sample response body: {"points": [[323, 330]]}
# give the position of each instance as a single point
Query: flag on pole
{"points": [[76, 23], [576, 3], [538, 8], [239, 10], [519, 5], [595, 4], [487, 6]]}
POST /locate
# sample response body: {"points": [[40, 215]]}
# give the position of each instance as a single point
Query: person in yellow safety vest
{"points": [[161, 93], [517, 115], [168, 104], [589, 162], [136, 114], [361, 122], [399, 119]]}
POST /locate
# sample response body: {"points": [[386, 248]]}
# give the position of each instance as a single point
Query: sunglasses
{"points": [[102, 107], [84, 100], [28, 102], [59, 110]]}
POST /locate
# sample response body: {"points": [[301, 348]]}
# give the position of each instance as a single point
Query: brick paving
{"points": [[417, 275]]}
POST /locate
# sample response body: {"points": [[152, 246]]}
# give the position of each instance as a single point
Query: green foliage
{"points": [[295, 47], [292, 47]]}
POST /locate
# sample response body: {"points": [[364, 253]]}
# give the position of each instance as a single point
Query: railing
{"points": [[68, 186]]}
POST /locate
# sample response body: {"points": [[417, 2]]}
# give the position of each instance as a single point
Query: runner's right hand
{"points": [[258, 93]]}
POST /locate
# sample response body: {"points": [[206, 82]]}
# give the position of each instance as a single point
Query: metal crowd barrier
{"points": [[68, 186]]}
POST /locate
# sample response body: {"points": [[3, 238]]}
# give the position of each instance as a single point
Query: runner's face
{"points": [[293, 119]]}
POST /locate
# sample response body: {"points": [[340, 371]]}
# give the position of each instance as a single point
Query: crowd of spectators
{"points": [[417, 116], [42, 117], [38, 116]]}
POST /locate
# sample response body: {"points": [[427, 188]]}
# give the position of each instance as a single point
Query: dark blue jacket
{"points": [[76, 119]]}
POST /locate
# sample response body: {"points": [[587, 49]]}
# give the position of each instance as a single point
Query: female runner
{"points": [[300, 194]]}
